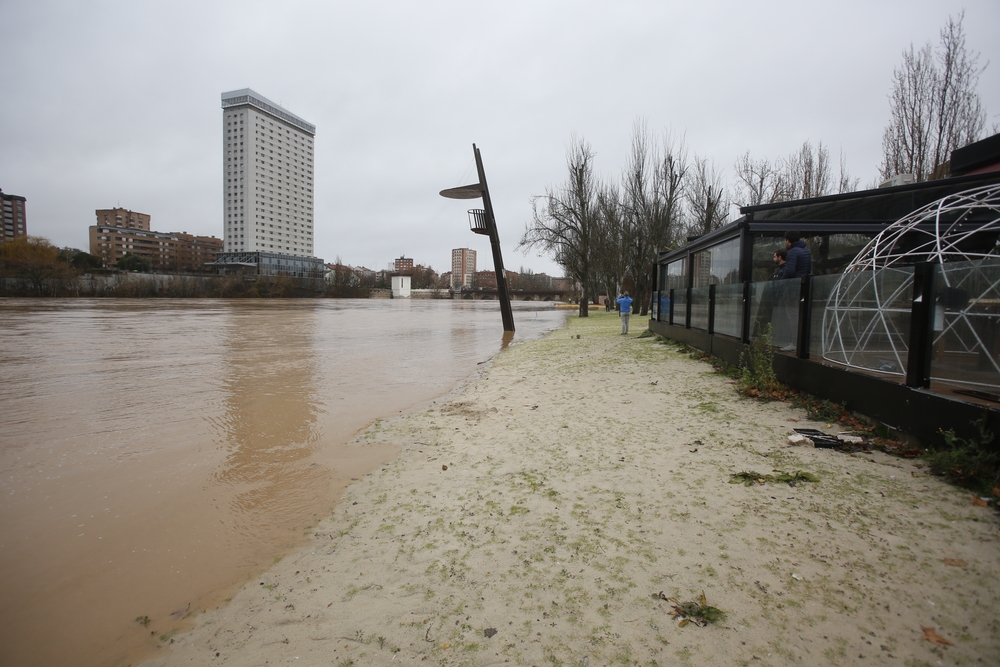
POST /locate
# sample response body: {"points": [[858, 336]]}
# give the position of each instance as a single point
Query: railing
{"points": [[477, 221], [927, 322]]}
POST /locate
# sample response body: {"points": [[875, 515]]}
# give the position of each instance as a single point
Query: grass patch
{"points": [[973, 463], [756, 377]]}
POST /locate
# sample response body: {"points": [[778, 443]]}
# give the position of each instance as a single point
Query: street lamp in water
{"points": [[481, 221]]}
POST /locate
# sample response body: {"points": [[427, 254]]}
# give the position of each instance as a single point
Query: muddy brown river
{"points": [[154, 454]]}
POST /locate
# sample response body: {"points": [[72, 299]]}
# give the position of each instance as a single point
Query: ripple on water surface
{"points": [[155, 453]]}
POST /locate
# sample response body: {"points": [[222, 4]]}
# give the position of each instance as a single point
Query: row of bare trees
{"points": [[803, 174], [606, 233]]}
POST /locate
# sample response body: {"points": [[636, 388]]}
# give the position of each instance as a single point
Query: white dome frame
{"points": [[866, 318]]}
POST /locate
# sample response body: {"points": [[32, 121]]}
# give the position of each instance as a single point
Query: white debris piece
{"points": [[851, 439], [799, 439]]}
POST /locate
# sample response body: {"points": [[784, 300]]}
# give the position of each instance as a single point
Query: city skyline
{"points": [[400, 93]]}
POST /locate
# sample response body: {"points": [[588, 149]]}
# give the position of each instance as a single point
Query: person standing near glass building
{"points": [[625, 309]]}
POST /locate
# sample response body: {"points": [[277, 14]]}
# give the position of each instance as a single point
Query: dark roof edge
{"points": [[979, 154], [857, 194], [705, 240]]}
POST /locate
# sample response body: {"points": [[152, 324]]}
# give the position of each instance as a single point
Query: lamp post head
{"points": [[474, 191]]}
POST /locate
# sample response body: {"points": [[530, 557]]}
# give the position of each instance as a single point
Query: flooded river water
{"points": [[156, 454]]}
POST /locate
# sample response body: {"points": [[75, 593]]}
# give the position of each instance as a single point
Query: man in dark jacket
{"points": [[798, 262], [779, 263]]}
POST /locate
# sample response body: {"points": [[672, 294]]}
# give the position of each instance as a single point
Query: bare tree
{"points": [[564, 220], [708, 207], [935, 107], [757, 181], [806, 173], [653, 185], [846, 182], [611, 263]]}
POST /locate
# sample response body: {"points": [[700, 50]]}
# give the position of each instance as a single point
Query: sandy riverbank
{"points": [[552, 499]]}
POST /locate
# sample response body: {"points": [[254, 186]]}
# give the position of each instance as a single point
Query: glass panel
{"points": [[663, 306], [866, 320], [718, 265], [699, 308], [672, 277], [680, 307], [729, 309], [763, 266], [756, 298], [822, 288], [966, 346], [831, 253], [776, 302]]}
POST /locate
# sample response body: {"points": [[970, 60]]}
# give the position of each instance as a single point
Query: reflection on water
{"points": [[153, 454], [269, 427]]}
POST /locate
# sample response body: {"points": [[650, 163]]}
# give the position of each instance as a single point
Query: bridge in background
{"points": [[491, 294]]}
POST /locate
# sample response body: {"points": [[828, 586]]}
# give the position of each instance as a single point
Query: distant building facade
{"points": [[349, 276], [402, 264], [194, 253], [15, 218], [267, 177], [269, 264], [564, 284], [122, 218], [463, 268], [166, 251], [488, 279]]}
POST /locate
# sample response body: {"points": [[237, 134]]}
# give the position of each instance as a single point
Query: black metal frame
{"points": [[918, 360]]}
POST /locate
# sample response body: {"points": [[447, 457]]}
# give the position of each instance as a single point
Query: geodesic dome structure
{"points": [[866, 321]]}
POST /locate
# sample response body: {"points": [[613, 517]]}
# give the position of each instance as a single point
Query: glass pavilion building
{"points": [[890, 343]]}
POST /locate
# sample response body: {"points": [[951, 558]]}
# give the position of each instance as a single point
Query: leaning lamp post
{"points": [[481, 221]]}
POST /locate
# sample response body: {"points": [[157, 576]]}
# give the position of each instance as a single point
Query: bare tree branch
{"points": [[564, 220], [935, 107], [708, 206]]}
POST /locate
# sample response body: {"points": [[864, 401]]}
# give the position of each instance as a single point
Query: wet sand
{"points": [[542, 513]]}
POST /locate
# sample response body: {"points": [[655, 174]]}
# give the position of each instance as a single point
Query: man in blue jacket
{"points": [[625, 306], [798, 262]]}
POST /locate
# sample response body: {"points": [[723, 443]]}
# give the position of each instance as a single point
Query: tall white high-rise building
{"points": [[267, 176]]}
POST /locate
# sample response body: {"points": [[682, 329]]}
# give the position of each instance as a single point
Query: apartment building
{"points": [[15, 220], [463, 268], [267, 177], [488, 279], [167, 252], [123, 218]]}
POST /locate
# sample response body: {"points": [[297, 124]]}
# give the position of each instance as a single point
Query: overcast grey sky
{"points": [[108, 103]]}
